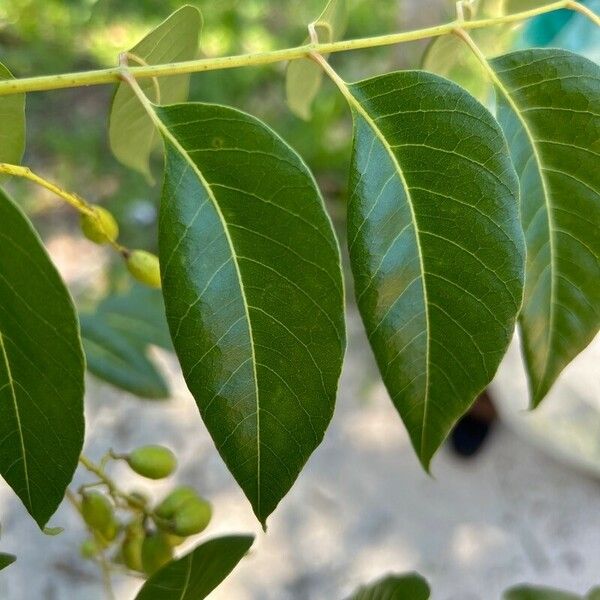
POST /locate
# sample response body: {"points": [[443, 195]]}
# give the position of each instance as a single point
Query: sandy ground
{"points": [[361, 508]]}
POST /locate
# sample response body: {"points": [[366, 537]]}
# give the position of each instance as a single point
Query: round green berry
{"points": [[154, 462]]}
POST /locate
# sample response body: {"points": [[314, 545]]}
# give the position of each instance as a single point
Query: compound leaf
{"points": [[253, 292], [549, 107], [12, 124], [395, 587], [198, 573], [436, 245], [131, 131], [41, 370], [304, 76]]}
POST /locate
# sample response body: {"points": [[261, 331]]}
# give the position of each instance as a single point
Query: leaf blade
{"points": [[199, 572], [407, 233], [41, 370], [262, 365], [395, 587], [557, 161], [526, 592], [6, 560], [131, 131]]}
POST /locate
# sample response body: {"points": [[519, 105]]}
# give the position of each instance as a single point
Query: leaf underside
{"points": [[198, 573], [12, 124], [435, 244], [395, 587], [41, 370], [552, 123], [253, 292], [132, 134]]}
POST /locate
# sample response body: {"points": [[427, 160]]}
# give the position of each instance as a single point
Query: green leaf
{"points": [[594, 594], [198, 573], [304, 76], [12, 124], [6, 560], [435, 244], [131, 132], [525, 592], [549, 107], [395, 587], [253, 292], [41, 370], [116, 338]]}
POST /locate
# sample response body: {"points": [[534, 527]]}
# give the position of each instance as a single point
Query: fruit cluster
{"points": [[125, 528]]}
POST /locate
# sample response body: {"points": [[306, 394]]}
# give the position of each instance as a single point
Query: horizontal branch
{"points": [[112, 75]]}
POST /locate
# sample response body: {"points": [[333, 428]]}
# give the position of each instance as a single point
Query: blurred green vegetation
{"points": [[67, 139]]}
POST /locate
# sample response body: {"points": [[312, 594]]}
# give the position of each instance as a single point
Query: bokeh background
{"points": [[527, 508]]}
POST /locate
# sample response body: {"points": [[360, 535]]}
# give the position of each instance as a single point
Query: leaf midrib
{"points": [[11, 383], [167, 133], [356, 105]]}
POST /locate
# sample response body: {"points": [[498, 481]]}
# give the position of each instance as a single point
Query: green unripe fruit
{"points": [[97, 511], [156, 552], [89, 548], [166, 509], [144, 267], [131, 548], [192, 517], [100, 226], [110, 531], [154, 462], [175, 540]]}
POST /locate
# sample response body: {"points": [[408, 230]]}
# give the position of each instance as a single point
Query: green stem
{"points": [[115, 492], [112, 487], [79, 204], [26, 173], [112, 75]]}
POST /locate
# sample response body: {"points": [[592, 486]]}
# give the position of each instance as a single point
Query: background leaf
{"points": [[116, 338], [12, 124], [552, 121], [253, 292], [395, 587], [198, 573], [6, 560], [448, 56], [526, 592], [304, 76], [435, 244], [41, 370], [131, 131]]}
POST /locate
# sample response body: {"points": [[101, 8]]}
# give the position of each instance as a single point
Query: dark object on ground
{"points": [[471, 432]]}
